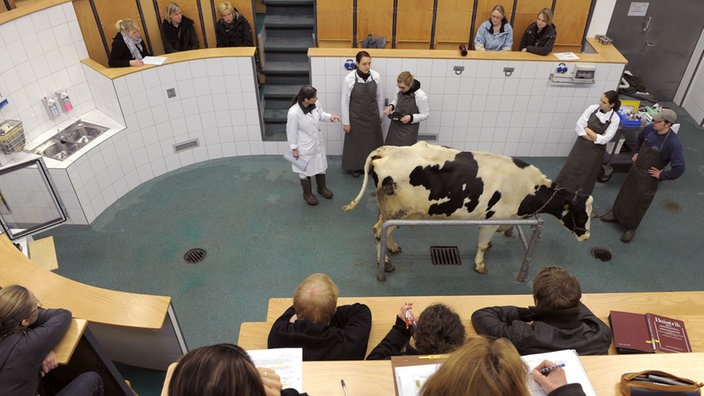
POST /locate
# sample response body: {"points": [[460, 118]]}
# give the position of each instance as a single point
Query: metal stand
{"points": [[535, 224]]}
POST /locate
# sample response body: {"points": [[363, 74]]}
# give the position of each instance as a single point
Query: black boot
{"points": [[322, 190], [307, 192]]}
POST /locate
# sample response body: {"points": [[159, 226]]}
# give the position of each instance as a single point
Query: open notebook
{"points": [[574, 370]]}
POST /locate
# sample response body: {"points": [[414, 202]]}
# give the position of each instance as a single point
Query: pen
{"points": [[551, 368], [344, 387], [410, 321]]}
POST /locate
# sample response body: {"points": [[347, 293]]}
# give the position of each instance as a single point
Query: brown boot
{"points": [[307, 192], [322, 190]]}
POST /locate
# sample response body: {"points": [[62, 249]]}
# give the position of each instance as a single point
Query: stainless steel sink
{"points": [[69, 140]]}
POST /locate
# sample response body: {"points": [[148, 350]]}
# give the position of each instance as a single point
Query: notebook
{"points": [[574, 370]]}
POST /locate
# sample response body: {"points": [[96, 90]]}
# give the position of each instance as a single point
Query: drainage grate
{"points": [[445, 255], [601, 254], [195, 255]]}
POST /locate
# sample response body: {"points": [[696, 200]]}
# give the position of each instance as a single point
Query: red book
{"points": [[638, 333]]}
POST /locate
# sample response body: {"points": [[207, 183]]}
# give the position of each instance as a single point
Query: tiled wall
{"points": [[41, 53], [482, 109]]}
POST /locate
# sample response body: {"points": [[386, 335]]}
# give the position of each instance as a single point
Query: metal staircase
{"points": [[286, 37]]}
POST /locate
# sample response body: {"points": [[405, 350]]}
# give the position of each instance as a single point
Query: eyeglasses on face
{"points": [[39, 305]]}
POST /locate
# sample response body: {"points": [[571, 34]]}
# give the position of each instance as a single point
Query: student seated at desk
{"points": [[28, 335], [557, 321], [224, 369], [438, 330], [493, 367], [316, 324]]}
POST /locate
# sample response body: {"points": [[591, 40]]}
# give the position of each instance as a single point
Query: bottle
{"points": [[463, 50]]}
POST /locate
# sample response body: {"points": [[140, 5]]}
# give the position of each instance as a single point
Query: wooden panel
{"points": [[526, 13], [571, 21], [90, 32], [334, 22], [375, 17], [453, 23], [414, 24]]}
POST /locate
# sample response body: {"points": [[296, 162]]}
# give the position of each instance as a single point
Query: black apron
{"points": [[401, 134], [365, 135], [639, 188], [584, 162]]}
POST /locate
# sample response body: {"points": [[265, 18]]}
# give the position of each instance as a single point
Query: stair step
{"points": [[289, 22], [288, 45], [280, 91], [275, 116], [275, 132], [290, 68]]}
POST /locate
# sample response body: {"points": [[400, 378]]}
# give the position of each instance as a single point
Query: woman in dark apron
{"points": [[362, 103], [660, 147], [596, 127], [407, 110]]}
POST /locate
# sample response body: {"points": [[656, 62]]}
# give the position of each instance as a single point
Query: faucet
{"points": [[60, 136]]}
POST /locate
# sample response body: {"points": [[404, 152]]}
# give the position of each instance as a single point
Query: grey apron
{"points": [[365, 135], [401, 134], [584, 162], [639, 188]]}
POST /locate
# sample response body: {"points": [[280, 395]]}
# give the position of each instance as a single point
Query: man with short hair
{"points": [[557, 321], [316, 324], [658, 146]]}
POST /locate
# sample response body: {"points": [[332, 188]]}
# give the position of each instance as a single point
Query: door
{"points": [[29, 202], [658, 39]]}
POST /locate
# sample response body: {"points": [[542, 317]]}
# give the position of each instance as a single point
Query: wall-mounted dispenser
{"points": [[64, 100], [576, 73], [51, 107]]}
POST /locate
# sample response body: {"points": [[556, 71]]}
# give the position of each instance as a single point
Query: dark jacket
{"points": [[181, 38], [344, 338], [396, 343], [540, 43], [568, 390], [120, 56], [237, 35], [22, 353], [532, 330]]}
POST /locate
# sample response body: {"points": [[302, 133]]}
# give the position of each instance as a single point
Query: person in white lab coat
{"points": [[306, 141]]}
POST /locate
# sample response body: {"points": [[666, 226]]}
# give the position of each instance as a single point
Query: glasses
{"points": [[39, 305]]}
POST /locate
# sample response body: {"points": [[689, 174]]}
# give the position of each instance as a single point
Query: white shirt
{"points": [[421, 103], [603, 117]]}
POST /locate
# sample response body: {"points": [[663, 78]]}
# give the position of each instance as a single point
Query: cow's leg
{"points": [[391, 245], [388, 266], [485, 235]]}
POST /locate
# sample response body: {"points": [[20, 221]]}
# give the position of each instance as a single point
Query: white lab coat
{"points": [[303, 133]]}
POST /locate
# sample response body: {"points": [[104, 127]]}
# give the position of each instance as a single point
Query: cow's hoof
{"points": [[482, 271], [389, 267], [396, 250]]}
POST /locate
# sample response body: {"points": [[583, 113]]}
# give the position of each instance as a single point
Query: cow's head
{"points": [[573, 210]]}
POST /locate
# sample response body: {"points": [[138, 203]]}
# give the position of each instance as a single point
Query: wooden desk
{"points": [[375, 377], [64, 349]]}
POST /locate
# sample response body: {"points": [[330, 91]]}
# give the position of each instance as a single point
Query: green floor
{"points": [[262, 240]]}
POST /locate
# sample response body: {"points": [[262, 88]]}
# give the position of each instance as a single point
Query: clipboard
{"points": [[300, 162], [411, 372]]}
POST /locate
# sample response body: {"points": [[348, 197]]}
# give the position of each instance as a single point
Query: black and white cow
{"points": [[426, 181]]}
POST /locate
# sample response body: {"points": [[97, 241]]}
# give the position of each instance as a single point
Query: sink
{"points": [[69, 140], [56, 150]]}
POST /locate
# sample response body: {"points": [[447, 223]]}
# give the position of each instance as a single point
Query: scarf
{"points": [[364, 76], [306, 109], [135, 46]]}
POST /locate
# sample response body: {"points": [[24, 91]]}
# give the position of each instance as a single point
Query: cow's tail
{"points": [[355, 201]]}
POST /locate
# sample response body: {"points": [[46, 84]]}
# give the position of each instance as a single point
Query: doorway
{"points": [[658, 38]]}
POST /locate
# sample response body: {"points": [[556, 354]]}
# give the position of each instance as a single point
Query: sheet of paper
{"points": [[154, 60], [565, 55], [287, 362], [574, 370], [410, 379]]}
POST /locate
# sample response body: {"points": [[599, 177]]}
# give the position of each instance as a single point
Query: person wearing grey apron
{"points": [[659, 146], [406, 111], [596, 127], [361, 106]]}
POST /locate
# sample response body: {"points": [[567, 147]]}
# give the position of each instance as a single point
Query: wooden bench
{"points": [[686, 306]]}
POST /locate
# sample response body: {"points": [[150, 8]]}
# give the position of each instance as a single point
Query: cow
{"points": [[426, 181]]}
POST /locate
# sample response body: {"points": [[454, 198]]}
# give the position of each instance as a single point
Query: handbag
{"points": [[373, 42], [653, 383]]}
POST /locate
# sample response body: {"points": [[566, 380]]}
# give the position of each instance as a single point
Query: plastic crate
{"points": [[626, 123], [11, 136]]}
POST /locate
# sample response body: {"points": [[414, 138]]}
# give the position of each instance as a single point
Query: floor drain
{"points": [[601, 254], [195, 255], [445, 255]]}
